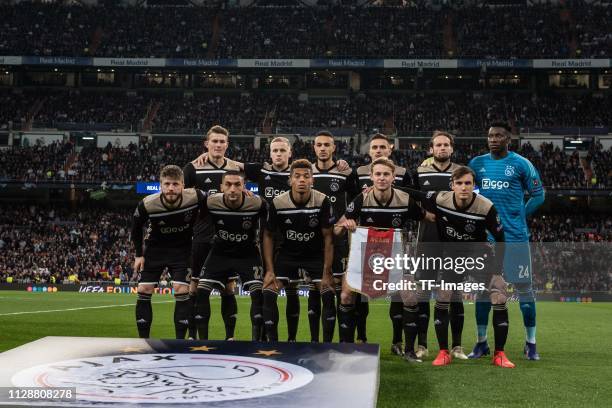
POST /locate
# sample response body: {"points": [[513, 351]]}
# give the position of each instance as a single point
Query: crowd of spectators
{"points": [[560, 30], [44, 244], [118, 109], [241, 113], [60, 161], [570, 251], [13, 110], [248, 113]]}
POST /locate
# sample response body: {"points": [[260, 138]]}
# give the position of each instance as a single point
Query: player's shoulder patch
{"points": [[316, 198], [283, 201], [368, 200], [424, 168], [400, 171], [526, 164], [454, 166], [363, 170], [215, 202], [153, 204], [400, 198], [345, 173], [232, 165], [445, 199], [252, 203], [481, 206], [190, 197], [477, 160], [428, 161]]}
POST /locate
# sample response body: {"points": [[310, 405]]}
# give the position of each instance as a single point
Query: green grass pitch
{"points": [[573, 340]]}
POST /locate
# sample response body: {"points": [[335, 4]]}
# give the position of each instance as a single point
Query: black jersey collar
{"points": [[442, 171], [467, 207], [295, 203], [217, 167], [286, 169], [327, 170], [388, 203]]}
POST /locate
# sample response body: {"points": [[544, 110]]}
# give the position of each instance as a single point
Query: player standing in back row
{"points": [[504, 177], [340, 186], [381, 147], [304, 218], [434, 176], [207, 176]]}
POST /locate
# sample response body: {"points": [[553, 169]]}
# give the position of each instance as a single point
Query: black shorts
{"points": [[157, 259], [340, 259], [199, 253], [296, 270], [220, 269]]}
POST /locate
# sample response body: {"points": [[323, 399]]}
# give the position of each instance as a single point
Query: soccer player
{"points": [[381, 207], [168, 218], [435, 175], [381, 147], [464, 217], [206, 176], [272, 180], [340, 187], [236, 218], [503, 177], [305, 218]]}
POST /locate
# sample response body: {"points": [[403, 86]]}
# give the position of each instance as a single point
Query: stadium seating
{"points": [[245, 114], [37, 242], [540, 31], [558, 168]]}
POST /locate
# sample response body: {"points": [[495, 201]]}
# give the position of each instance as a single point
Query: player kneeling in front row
{"points": [[169, 217], [234, 253], [304, 218], [463, 218]]}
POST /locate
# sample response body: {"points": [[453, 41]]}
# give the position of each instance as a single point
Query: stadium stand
{"points": [[424, 31], [245, 114], [38, 242]]}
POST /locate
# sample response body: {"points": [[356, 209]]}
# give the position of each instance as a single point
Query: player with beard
{"points": [[434, 175], [272, 180], [304, 218], [340, 187], [166, 220], [236, 217], [381, 147]]}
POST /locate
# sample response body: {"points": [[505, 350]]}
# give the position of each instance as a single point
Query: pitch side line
{"points": [[77, 308]]}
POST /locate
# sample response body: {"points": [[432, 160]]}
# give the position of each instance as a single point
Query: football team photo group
{"points": [[211, 232], [308, 203]]}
